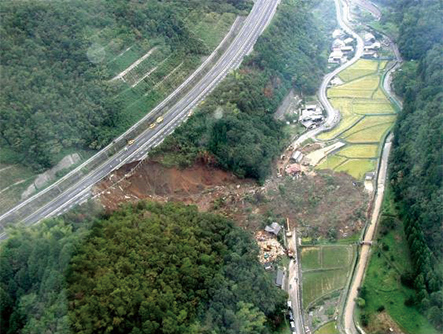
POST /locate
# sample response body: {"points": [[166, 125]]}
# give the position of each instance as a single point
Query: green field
{"points": [[325, 268], [311, 258], [318, 283], [383, 284], [329, 328], [333, 257], [366, 116]]}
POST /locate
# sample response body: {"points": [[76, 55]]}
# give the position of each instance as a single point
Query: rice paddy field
{"points": [[366, 117], [329, 328], [325, 269]]}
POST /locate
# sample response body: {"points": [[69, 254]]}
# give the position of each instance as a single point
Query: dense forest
{"points": [[146, 268], [416, 166], [235, 127], [55, 93]]}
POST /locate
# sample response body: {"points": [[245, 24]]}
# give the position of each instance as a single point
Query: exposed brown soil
{"points": [[383, 323], [315, 202], [198, 185]]}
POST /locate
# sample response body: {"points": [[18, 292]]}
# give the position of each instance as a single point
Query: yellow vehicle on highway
{"points": [[131, 141], [160, 119], [152, 126]]}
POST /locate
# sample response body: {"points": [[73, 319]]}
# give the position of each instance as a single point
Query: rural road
{"points": [[369, 235], [259, 17], [365, 253], [294, 279], [333, 115]]}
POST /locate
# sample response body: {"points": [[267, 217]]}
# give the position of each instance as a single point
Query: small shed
{"points": [[369, 176], [337, 33], [347, 48], [369, 37], [273, 228], [348, 40]]}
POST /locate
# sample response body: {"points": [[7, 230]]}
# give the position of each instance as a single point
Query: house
{"points": [[297, 156], [370, 54], [279, 278], [308, 124], [293, 169], [348, 40], [311, 107], [372, 46], [317, 118], [337, 33], [369, 37], [274, 228], [338, 43], [369, 176], [347, 49], [335, 56], [268, 265]]}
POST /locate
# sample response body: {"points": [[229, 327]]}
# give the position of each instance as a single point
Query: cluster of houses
{"points": [[342, 47], [311, 116], [371, 46]]}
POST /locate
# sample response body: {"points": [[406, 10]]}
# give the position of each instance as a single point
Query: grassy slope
{"points": [[383, 281]]}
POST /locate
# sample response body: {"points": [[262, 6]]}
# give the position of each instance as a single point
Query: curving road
{"points": [[333, 115], [259, 17]]}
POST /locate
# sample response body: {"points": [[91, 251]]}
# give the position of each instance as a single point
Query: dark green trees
{"points": [[169, 269], [146, 268], [417, 160], [235, 125]]}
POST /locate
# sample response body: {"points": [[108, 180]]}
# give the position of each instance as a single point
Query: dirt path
{"points": [[369, 235]]}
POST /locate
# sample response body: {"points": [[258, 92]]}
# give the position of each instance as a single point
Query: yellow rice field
{"points": [[371, 135], [331, 162], [367, 123], [359, 151], [357, 167]]}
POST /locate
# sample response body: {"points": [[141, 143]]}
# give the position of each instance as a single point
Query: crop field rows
{"points": [[325, 269], [150, 81], [367, 115]]}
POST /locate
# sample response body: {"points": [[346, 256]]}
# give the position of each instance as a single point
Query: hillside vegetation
{"points": [[235, 126], [146, 268], [416, 166], [57, 59]]}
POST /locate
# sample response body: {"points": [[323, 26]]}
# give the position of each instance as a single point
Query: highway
{"points": [[333, 115], [259, 17]]}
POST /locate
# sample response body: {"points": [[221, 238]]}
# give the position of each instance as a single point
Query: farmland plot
{"points": [[325, 273]]}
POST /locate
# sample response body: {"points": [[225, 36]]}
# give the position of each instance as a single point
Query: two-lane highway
{"points": [[257, 20]]}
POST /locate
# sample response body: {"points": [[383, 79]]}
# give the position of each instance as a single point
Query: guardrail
{"points": [[27, 207]]}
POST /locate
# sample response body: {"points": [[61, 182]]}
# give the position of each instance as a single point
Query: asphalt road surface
{"points": [[294, 281], [256, 22]]}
